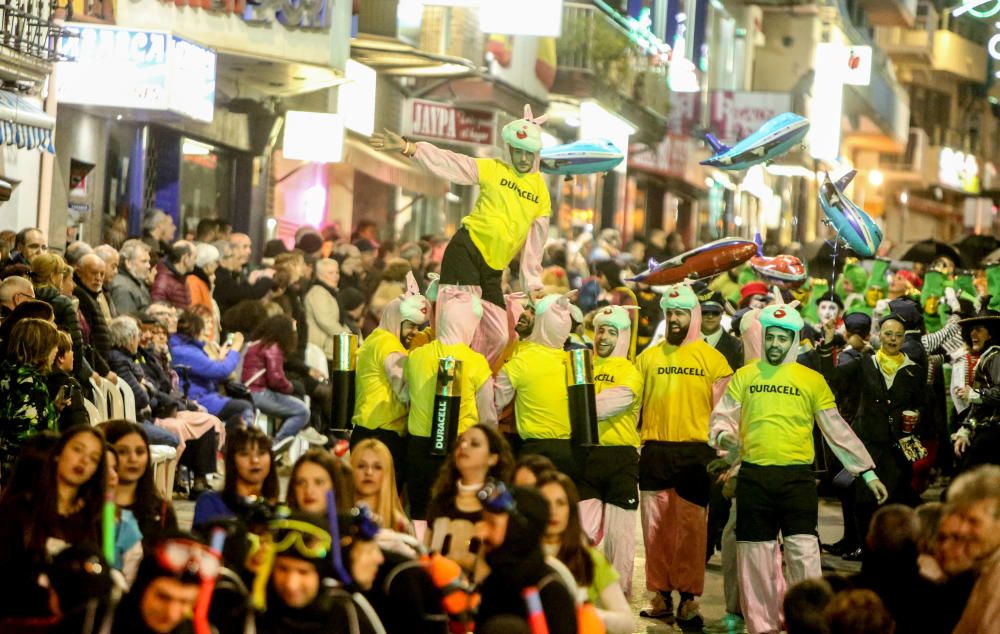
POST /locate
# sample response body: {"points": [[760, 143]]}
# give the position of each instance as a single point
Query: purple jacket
{"points": [[170, 286], [271, 359]]}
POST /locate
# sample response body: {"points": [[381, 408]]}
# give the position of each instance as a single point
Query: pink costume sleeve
{"points": [[531, 255], [844, 442], [451, 166], [724, 425], [486, 405], [393, 367], [614, 401], [719, 388], [504, 391]]}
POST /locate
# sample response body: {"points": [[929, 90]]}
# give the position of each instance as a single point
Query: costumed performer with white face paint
{"points": [[766, 416], [609, 482], [683, 377], [510, 215], [829, 307]]}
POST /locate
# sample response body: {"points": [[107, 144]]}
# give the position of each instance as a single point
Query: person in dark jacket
{"points": [[64, 389], [887, 383], [511, 532], [158, 231], [48, 273], [129, 290], [170, 285], [94, 311], [232, 284], [977, 441]]}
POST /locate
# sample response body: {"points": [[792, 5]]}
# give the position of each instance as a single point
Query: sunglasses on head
{"points": [[188, 557]]}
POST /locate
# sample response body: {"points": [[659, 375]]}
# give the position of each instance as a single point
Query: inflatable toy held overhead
{"points": [[777, 136], [705, 261], [854, 227], [783, 271], [586, 156]]}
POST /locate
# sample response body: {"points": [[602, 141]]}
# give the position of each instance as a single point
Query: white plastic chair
{"points": [[163, 460], [128, 399], [317, 360], [100, 400], [95, 416], [116, 402]]}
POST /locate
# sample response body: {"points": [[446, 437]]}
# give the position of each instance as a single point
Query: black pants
{"points": [[463, 264], [422, 471], [563, 455], [984, 448], [200, 454], [773, 499], [392, 440], [611, 475], [681, 466]]}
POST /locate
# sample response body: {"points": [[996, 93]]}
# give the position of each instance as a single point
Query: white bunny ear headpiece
{"points": [[412, 288], [529, 116]]}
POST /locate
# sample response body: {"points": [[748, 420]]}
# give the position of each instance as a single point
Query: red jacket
{"points": [[170, 286], [271, 359]]}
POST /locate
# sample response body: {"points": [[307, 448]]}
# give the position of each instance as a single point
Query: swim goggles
{"points": [[186, 557], [309, 540]]}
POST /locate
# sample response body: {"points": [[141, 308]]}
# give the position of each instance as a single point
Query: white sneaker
{"points": [[282, 445], [313, 437]]}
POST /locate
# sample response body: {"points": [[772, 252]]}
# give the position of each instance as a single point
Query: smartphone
{"points": [[62, 394], [229, 339]]}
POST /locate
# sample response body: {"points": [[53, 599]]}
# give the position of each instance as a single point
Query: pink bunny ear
{"points": [[412, 288], [527, 112], [542, 119]]}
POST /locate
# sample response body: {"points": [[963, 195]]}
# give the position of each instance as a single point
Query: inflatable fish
{"points": [[777, 136], [854, 227], [586, 156], [705, 261], [783, 271]]}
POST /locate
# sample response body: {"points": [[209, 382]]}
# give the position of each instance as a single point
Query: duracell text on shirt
{"points": [[509, 184], [775, 389], [673, 369]]}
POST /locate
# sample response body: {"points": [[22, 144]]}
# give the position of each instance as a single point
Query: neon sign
{"points": [[977, 8]]}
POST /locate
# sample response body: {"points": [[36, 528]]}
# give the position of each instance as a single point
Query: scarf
{"points": [[890, 363]]}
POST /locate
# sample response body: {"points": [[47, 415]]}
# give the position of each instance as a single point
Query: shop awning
{"points": [[24, 124], [392, 170]]}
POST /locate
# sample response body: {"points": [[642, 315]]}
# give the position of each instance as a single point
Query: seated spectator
{"points": [[250, 477], [529, 467], [804, 604], [858, 612], [14, 290], [596, 578], [352, 309], [128, 538], [76, 250], [164, 314], [158, 231], [95, 314], [65, 389], [975, 497], [264, 375], [26, 407], [322, 307], [315, 474], [232, 284], [27, 244], [202, 278], [64, 509], [207, 230], [375, 484], [129, 289], [169, 285], [48, 273], [136, 491], [32, 308], [201, 374]]}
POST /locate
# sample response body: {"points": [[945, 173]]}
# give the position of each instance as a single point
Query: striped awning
{"points": [[24, 124]]}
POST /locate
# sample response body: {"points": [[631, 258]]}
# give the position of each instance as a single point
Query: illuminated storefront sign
{"points": [[129, 68], [958, 170], [296, 14], [441, 121], [984, 9]]}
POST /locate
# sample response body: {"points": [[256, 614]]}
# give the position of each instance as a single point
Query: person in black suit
{"points": [[712, 307]]}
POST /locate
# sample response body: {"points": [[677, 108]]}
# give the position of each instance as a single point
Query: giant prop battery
{"points": [[342, 375], [582, 398], [447, 402]]}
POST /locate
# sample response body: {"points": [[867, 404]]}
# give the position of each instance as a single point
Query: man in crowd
{"points": [[129, 290], [111, 259], [232, 284], [170, 284], [712, 308], [975, 497], [14, 290], [76, 250], [27, 244], [158, 231], [94, 311], [766, 417], [683, 377]]}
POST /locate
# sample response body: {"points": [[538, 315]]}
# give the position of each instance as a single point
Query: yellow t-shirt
{"points": [[677, 390], [779, 404], [507, 205], [541, 405], [421, 379], [375, 404], [621, 429]]}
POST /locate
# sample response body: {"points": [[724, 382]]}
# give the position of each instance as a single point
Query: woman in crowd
{"points": [[50, 274], [128, 537], [26, 407], [564, 539], [314, 475], [65, 508], [136, 491], [529, 468], [250, 479], [202, 279], [375, 483], [202, 374], [264, 375]]}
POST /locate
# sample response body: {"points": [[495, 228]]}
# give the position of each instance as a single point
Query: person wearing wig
{"points": [[535, 379], [609, 485], [766, 417], [458, 316], [510, 215], [683, 377], [381, 398]]}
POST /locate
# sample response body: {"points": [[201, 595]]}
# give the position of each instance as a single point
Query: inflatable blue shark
{"points": [[586, 156], [854, 227], [777, 136]]}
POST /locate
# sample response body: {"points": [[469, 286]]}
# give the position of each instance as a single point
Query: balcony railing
{"points": [[29, 31], [596, 43]]}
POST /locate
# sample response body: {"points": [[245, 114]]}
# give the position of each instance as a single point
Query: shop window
{"points": [[206, 183]]}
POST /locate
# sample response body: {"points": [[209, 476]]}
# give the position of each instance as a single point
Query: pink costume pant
{"points": [[612, 529], [675, 532], [762, 586], [492, 335]]}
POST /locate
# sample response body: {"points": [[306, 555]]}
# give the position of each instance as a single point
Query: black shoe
{"points": [[854, 555], [200, 486], [689, 616], [838, 548]]}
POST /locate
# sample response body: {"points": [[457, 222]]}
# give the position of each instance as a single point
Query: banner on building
{"points": [[444, 122], [732, 115]]}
